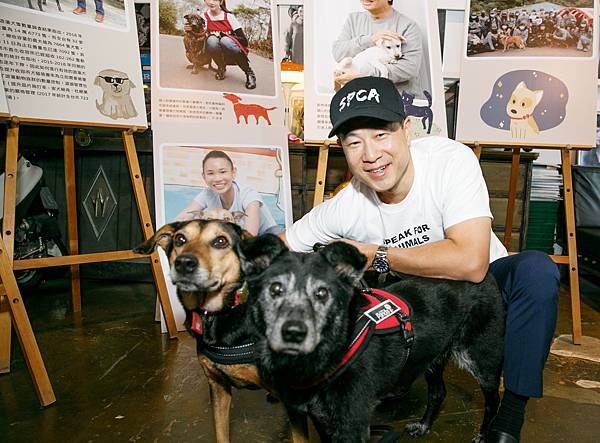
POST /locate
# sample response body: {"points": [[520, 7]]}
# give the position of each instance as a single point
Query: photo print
{"points": [[217, 45], [530, 28]]}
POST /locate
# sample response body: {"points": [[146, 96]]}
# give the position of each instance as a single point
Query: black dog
{"points": [[194, 41], [423, 112], [40, 2], [305, 308]]}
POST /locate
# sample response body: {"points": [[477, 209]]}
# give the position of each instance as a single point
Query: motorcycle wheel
{"points": [[30, 279]]}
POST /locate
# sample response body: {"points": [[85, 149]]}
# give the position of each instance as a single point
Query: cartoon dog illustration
{"points": [[116, 101], [373, 60], [520, 109], [423, 112], [245, 110]]}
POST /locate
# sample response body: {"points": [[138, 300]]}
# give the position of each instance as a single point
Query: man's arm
{"points": [[462, 255], [349, 42], [412, 57]]}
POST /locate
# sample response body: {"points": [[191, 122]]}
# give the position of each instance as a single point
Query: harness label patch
{"points": [[383, 310]]}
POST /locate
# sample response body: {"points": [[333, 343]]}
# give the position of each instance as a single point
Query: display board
{"points": [[217, 137], [527, 73], [453, 43], [62, 66], [4, 112], [331, 57]]}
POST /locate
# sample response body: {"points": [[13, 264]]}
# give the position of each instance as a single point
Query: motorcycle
{"points": [[37, 233]]}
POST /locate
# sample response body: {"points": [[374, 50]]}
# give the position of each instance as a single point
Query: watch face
{"points": [[381, 265]]}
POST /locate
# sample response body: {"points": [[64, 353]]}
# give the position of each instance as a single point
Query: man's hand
{"points": [[385, 34], [344, 78], [367, 249]]}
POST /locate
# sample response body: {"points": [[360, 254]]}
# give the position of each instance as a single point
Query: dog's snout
{"points": [[294, 331], [185, 264]]}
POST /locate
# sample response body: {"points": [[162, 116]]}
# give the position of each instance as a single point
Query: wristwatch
{"points": [[381, 263]]}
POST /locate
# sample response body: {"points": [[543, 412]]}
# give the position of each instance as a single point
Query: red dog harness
{"points": [[383, 314]]}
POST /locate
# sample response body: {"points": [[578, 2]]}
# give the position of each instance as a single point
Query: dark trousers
{"points": [[529, 282]]}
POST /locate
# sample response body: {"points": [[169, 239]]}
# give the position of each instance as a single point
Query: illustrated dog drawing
{"points": [[40, 2], [307, 307], [508, 40], [425, 113], [116, 101], [520, 109], [205, 268], [373, 60], [246, 110], [194, 41]]}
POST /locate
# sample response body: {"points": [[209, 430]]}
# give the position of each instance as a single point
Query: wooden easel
{"points": [[12, 301], [570, 259]]}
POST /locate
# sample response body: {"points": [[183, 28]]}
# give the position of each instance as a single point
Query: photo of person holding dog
{"points": [[217, 38], [530, 29], [421, 207], [384, 42], [242, 204]]}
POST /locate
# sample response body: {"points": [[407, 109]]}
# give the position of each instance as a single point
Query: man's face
{"points": [[374, 5], [380, 158]]}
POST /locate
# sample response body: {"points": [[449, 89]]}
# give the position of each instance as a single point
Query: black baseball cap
{"points": [[375, 97]]}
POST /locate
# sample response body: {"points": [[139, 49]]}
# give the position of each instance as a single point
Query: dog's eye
{"points": [[220, 242], [180, 240], [276, 289], [523, 104], [322, 294]]}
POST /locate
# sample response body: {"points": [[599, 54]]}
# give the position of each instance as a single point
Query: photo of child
{"points": [[224, 191]]}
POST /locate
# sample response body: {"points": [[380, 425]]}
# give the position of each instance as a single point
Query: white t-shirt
{"points": [[209, 199], [448, 188], [235, 24]]}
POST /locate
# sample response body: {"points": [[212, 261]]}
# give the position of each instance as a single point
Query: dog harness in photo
{"points": [[241, 353], [383, 314]]}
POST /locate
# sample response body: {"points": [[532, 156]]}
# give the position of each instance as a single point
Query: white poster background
{"points": [[3, 103], [453, 43], [109, 45], [579, 74], [206, 119], [323, 23]]}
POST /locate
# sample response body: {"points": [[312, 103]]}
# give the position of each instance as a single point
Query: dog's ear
{"points": [[163, 238], [131, 84], [379, 42], [242, 233], [403, 39], [97, 81], [257, 253], [348, 261]]}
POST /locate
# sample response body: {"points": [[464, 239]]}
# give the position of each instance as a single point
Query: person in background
{"points": [[82, 9], [294, 36]]}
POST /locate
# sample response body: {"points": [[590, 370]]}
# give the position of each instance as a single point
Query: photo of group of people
{"points": [[217, 45], [530, 28], [102, 12]]}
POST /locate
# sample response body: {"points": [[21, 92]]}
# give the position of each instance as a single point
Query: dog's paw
{"points": [[417, 429]]}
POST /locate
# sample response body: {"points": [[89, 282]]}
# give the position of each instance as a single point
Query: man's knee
{"points": [[536, 271]]}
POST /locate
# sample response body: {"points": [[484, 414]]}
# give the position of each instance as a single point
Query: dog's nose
{"points": [[184, 264], [294, 331]]}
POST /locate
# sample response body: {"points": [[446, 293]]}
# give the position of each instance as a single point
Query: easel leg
{"points": [[321, 174], [5, 331], [69, 156], [31, 352], [512, 195], [572, 246], [144, 213], [8, 228]]}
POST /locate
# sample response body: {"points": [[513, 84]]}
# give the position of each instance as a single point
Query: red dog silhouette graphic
{"points": [[245, 110]]}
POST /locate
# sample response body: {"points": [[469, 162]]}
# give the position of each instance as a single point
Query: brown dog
{"points": [[508, 40], [205, 267], [194, 41], [245, 110]]}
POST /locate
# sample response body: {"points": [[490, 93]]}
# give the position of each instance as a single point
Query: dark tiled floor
{"points": [[117, 379]]}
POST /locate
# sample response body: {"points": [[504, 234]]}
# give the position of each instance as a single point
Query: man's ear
{"points": [[257, 253], [163, 238], [349, 262]]}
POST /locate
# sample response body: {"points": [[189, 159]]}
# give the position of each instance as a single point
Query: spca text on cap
{"points": [[361, 95]]}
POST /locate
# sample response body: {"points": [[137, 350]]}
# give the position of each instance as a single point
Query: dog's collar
{"points": [[237, 300], [384, 313], [525, 117]]}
